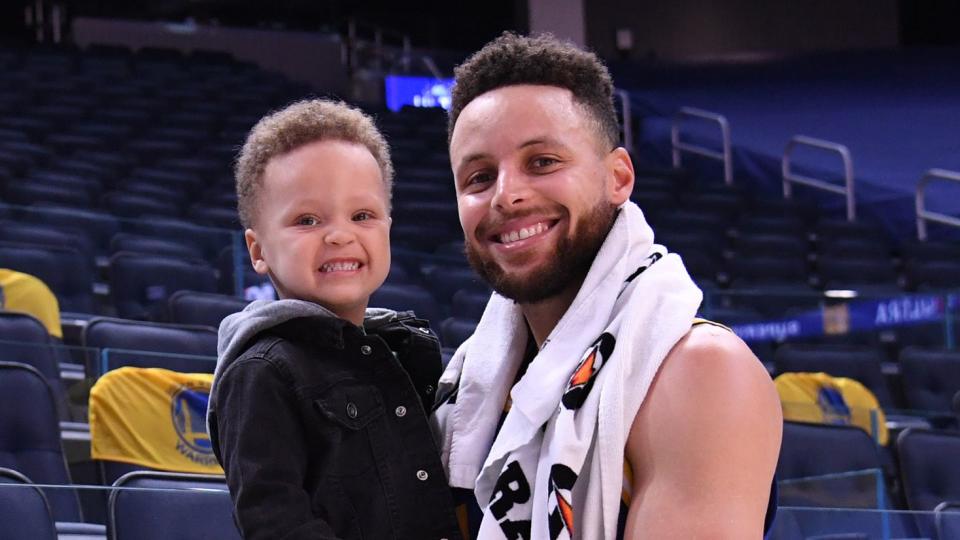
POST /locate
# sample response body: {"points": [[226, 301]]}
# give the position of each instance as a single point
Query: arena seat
{"points": [[931, 378], [73, 288], [140, 284], [24, 511], [444, 280], [948, 520], [856, 362], [97, 226], [169, 505], [134, 205], [469, 303], [454, 331], [30, 435], [29, 233], [928, 467], [408, 297], [206, 309], [181, 248], [184, 348], [26, 340]]}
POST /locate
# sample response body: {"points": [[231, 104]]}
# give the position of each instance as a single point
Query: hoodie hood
{"points": [[238, 329]]}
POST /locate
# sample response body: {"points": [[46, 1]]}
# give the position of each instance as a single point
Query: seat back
{"points": [[207, 309], [454, 331], [25, 340], [24, 510], [928, 467], [73, 288], [177, 347], [854, 362], [30, 435], [930, 378], [169, 505], [407, 297], [141, 284]]}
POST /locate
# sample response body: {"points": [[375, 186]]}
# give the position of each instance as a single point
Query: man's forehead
{"points": [[530, 111]]}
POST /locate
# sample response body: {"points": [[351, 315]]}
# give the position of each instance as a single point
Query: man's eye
{"points": [[479, 178], [362, 216], [307, 221], [541, 162]]}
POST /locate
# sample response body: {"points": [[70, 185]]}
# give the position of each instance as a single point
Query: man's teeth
{"points": [[340, 266], [523, 233]]}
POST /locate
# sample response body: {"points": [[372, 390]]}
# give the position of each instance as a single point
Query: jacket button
{"points": [[401, 411], [422, 475], [352, 410], [366, 350], [428, 389]]}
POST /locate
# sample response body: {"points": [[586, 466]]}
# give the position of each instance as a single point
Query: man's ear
{"points": [[256, 252], [620, 167]]}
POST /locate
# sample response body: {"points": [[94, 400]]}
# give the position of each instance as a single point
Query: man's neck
{"points": [[543, 316]]}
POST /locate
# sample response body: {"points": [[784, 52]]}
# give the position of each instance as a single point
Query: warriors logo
{"points": [[188, 409], [559, 500], [582, 380]]}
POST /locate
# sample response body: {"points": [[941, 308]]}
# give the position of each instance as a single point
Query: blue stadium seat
{"points": [[931, 378], [469, 304], [133, 205], [206, 309], [73, 288], [444, 280], [454, 331], [30, 436], [177, 347], [180, 248], [856, 362], [27, 194], [140, 284], [24, 339], [864, 275], [948, 519], [97, 226], [29, 233], [24, 511], [166, 505], [928, 467], [933, 275], [408, 297]]}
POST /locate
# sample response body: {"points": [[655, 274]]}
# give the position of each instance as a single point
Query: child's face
{"points": [[322, 230]]}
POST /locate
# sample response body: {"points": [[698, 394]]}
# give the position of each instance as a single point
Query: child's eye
{"points": [[362, 216], [307, 221]]}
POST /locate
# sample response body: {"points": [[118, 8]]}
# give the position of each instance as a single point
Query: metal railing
{"points": [[924, 215], [627, 119], [790, 178], [678, 147]]}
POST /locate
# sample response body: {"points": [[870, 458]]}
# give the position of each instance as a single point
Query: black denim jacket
{"points": [[322, 433]]}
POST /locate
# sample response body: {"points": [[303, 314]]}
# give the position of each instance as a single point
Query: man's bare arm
{"points": [[704, 445]]}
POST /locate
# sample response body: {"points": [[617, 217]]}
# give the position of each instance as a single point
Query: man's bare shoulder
{"points": [[706, 439], [711, 375]]}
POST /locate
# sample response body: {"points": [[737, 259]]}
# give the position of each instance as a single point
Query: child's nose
{"points": [[338, 236]]}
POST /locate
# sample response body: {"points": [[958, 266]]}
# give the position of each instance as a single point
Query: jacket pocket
{"points": [[352, 405]]}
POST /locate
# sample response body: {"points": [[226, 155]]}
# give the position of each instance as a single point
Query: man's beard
{"points": [[569, 266]]}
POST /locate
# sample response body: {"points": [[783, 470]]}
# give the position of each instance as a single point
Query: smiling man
{"points": [[590, 402]]}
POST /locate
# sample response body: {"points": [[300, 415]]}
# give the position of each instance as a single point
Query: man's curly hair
{"points": [[512, 59], [297, 125]]}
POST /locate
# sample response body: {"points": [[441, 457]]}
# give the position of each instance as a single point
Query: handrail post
{"points": [[725, 156], [627, 115], [790, 178], [924, 215]]}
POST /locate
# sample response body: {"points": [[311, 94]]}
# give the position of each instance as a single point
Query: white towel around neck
{"points": [[645, 301]]}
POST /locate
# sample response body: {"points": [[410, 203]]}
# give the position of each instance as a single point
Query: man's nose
{"points": [[512, 189]]}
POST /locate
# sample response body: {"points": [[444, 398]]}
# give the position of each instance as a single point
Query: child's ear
{"points": [[256, 252]]}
